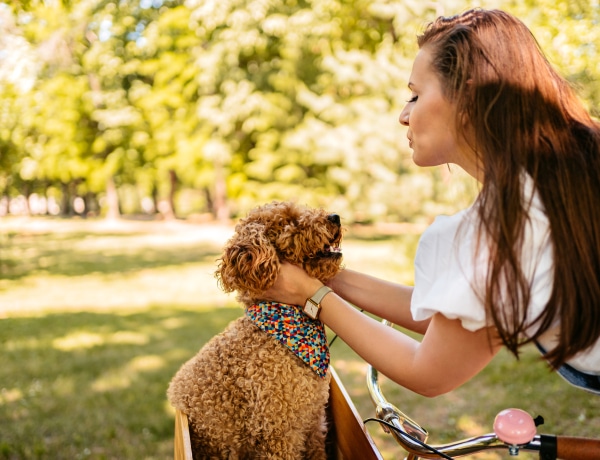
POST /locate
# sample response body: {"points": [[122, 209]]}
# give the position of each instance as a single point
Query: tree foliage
{"points": [[213, 106]]}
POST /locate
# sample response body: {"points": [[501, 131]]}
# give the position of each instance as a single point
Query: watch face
{"points": [[311, 309]]}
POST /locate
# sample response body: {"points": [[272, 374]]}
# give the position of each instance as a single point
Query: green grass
{"points": [[95, 318]]}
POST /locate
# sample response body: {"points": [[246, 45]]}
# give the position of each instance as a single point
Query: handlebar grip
{"points": [[573, 448]]}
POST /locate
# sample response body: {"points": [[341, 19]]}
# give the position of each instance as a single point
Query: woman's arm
{"points": [[447, 357], [382, 298]]}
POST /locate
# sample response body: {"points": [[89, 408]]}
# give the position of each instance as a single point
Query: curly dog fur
{"points": [[245, 394]]}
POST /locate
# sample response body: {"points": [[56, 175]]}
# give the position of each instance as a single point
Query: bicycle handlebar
{"points": [[574, 448], [412, 437]]}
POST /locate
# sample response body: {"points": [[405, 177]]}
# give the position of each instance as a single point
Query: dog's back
{"points": [[246, 395]]}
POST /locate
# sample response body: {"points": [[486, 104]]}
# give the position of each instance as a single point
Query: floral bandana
{"points": [[304, 336]]}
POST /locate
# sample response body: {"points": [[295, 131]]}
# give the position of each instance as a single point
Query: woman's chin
{"points": [[420, 161]]}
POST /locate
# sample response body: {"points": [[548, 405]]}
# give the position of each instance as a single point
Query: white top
{"points": [[448, 274]]}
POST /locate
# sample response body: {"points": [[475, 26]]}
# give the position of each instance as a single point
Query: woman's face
{"points": [[431, 118]]}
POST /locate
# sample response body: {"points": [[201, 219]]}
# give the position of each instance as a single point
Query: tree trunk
{"points": [[112, 199], [66, 204], [27, 194], [91, 204], [220, 202], [168, 208], [155, 200]]}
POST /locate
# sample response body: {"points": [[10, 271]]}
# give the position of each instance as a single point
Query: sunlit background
{"points": [[203, 108]]}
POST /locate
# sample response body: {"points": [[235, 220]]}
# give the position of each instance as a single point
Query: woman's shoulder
{"points": [[444, 272], [448, 226]]}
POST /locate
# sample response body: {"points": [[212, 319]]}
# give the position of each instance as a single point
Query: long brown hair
{"points": [[522, 116]]}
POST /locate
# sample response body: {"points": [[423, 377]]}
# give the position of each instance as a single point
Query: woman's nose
{"points": [[404, 115]]}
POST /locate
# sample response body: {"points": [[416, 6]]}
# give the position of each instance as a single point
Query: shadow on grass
{"points": [[76, 254], [93, 384]]}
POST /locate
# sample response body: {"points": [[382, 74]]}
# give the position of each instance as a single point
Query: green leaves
{"points": [[243, 101]]}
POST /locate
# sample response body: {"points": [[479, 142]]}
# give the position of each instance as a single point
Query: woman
{"points": [[523, 263]]}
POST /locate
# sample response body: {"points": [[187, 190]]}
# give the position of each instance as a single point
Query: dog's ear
{"points": [[249, 264]]}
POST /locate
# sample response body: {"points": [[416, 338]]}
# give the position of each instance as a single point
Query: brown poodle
{"points": [[260, 388]]}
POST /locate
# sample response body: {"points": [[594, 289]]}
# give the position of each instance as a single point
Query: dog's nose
{"points": [[334, 218]]}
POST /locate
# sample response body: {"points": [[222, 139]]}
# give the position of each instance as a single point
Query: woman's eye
{"points": [[413, 99]]}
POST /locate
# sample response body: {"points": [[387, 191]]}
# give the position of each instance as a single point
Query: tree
{"points": [[17, 75], [569, 34], [165, 95], [239, 101]]}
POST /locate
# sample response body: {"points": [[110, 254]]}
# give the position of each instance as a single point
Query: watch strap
{"points": [[317, 297]]}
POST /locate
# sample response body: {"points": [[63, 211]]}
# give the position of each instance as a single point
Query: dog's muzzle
{"points": [[334, 249], [334, 218]]}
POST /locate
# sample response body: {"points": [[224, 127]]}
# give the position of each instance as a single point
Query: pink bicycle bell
{"points": [[514, 427]]}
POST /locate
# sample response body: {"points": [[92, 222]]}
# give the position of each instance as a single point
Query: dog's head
{"points": [[276, 232]]}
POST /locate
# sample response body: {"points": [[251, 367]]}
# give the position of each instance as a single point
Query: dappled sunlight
{"points": [[64, 386], [169, 410], [21, 344], [354, 374], [112, 380], [146, 363], [83, 340], [127, 375], [470, 426], [90, 356], [189, 285], [180, 355], [173, 323], [119, 243], [10, 395], [76, 254], [355, 367], [78, 341], [91, 378], [128, 338], [137, 269]]}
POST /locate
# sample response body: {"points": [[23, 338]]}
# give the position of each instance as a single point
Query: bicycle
{"points": [[514, 431]]}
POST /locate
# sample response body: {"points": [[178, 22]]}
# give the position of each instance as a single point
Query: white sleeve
{"points": [[449, 272], [445, 272]]}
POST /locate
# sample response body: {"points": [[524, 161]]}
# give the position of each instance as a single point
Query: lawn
{"points": [[96, 317]]}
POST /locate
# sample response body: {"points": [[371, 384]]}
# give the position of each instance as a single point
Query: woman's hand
{"points": [[292, 286]]}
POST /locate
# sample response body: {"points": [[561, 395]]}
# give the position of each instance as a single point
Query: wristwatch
{"points": [[312, 307]]}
